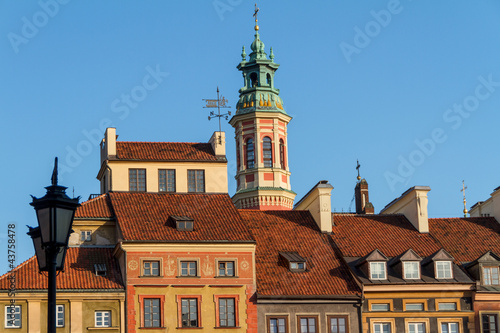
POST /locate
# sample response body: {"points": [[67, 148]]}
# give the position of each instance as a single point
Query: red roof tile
{"points": [[166, 151], [296, 231], [98, 207], [142, 217], [79, 272], [466, 239], [358, 235]]}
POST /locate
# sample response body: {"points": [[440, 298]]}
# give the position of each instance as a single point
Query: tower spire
{"points": [[256, 20], [465, 201]]}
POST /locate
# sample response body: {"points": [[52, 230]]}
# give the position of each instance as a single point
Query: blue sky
{"points": [[410, 88]]}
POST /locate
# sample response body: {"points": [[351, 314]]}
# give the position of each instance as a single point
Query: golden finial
{"points": [[256, 20], [357, 168], [465, 201]]}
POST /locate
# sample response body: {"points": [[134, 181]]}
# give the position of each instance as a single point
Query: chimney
{"points": [[413, 205], [218, 142], [363, 204], [318, 202], [108, 144]]}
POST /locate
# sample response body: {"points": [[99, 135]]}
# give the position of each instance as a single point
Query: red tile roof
{"points": [[466, 239], [98, 207], [358, 235], [296, 231], [142, 217], [79, 272], [166, 151]]}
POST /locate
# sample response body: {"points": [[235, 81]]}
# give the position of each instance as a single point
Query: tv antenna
{"points": [[219, 103]]}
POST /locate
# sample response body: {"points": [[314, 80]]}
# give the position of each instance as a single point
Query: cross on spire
{"points": [[465, 202], [255, 15], [357, 168]]}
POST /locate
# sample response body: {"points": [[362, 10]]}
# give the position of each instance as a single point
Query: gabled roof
{"points": [[409, 255], [467, 239], [79, 272], [166, 151], [358, 235], [98, 207], [142, 217], [296, 231]]}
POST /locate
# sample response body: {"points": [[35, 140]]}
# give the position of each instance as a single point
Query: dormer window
{"points": [[411, 270], [100, 269], [295, 262], [378, 270], [443, 270], [183, 223], [490, 276]]}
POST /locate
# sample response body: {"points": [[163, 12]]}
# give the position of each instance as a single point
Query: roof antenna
{"points": [[465, 202], [218, 103]]}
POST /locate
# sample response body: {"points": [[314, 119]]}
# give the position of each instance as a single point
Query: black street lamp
{"points": [[55, 212]]}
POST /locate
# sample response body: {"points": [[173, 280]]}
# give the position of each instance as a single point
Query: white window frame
{"points": [[448, 263], [17, 310], [381, 324], [103, 313], [440, 305], [384, 270], [414, 324], [86, 235], [60, 315], [411, 263], [448, 323]]}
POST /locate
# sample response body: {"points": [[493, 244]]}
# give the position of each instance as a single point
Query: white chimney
{"points": [[318, 202], [218, 142], [413, 205]]}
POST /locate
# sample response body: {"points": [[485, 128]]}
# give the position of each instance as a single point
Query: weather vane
{"points": [[357, 168], [465, 202], [219, 103]]}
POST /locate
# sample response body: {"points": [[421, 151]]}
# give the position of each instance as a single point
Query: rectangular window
{"points": [[308, 324], [151, 312], [412, 270], [414, 307], [416, 328], [189, 310], [377, 271], [137, 180], [297, 266], [337, 324], [490, 276], [267, 148], [226, 268], [380, 307], [103, 319], [59, 315], [490, 323], [13, 316], [382, 328], [151, 268], [443, 270], [449, 328], [278, 324], [166, 180], [188, 268], [85, 235], [196, 181], [227, 312], [452, 306]]}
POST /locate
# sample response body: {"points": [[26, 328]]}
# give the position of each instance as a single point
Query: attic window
{"points": [[443, 270], [295, 262], [100, 269], [183, 223]]}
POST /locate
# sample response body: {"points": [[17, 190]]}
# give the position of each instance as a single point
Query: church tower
{"points": [[260, 123]]}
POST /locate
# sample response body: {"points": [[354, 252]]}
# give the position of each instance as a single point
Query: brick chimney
{"points": [[363, 204]]}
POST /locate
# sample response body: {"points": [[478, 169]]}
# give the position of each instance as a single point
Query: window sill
{"points": [[227, 327], [152, 328], [103, 328], [188, 277], [226, 277], [151, 276], [189, 328]]}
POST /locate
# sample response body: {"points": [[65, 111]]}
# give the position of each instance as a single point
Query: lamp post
{"points": [[55, 212]]}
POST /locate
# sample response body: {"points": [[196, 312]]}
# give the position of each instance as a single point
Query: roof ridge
{"points": [[18, 267], [94, 199]]}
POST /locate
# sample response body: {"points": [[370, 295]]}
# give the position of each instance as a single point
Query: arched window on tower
{"points": [[253, 78], [267, 148], [282, 154], [268, 77], [250, 155]]}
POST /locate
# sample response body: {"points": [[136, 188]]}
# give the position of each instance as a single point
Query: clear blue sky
{"points": [[410, 88]]}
